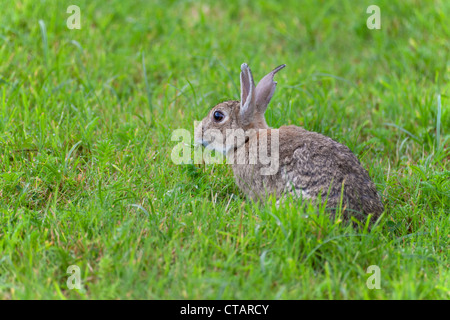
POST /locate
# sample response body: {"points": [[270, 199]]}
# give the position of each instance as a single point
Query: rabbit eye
{"points": [[218, 116]]}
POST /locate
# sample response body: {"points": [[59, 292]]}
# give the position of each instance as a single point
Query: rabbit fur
{"points": [[310, 165]]}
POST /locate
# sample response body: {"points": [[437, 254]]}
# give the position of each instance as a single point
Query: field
{"points": [[86, 176]]}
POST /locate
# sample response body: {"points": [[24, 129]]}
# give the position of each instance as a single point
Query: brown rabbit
{"points": [[305, 164]]}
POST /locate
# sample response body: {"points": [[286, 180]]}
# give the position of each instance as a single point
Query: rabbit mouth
{"points": [[200, 142], [208, 143]]}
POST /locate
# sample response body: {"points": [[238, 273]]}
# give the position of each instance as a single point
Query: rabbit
{"points": [[310, 165]]}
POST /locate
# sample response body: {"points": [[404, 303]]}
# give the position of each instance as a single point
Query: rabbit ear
{"points": [[247, 94], [265, 89]]}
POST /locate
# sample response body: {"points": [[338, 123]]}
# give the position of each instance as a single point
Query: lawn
{"points": [[86, 123]]}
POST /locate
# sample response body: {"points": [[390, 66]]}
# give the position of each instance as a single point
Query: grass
{"points": [[86, 178]]}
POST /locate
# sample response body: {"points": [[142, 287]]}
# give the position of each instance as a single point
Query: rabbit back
{"points": [[312, 166]]}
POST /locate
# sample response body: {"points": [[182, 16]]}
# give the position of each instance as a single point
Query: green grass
{"points": [[86, 178]]}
